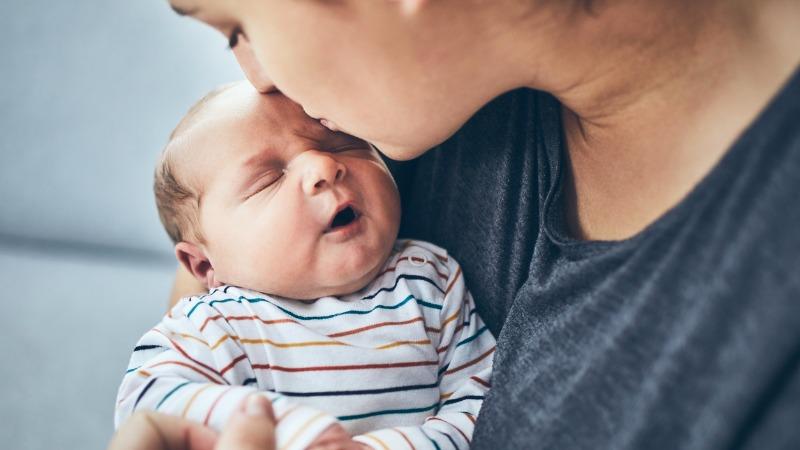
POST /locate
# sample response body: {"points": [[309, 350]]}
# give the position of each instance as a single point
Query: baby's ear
{"points": [[194, 259]]}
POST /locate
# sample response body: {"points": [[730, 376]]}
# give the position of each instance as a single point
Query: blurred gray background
{"points": [[90, 90]]}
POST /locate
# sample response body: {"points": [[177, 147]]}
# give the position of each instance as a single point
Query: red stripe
{"points": [[406, 258], [370, 327], [186, 355], [232, 363], [471, 363], [180, 363], [483, 382], [348, 367]]}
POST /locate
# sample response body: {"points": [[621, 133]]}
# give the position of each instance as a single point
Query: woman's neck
{"points": [[654, 93]]}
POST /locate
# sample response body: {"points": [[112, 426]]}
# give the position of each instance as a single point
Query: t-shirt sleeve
{"points": [[192, 365]]}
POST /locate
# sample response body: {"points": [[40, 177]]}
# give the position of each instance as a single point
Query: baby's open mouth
{"points": [[343, 218]]}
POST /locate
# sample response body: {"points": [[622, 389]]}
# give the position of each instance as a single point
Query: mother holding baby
{"points": [[618, 179]]}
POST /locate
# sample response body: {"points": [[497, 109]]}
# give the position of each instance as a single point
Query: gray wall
{"points": [[90, 89]]}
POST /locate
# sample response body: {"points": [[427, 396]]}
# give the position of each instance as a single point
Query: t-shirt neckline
{"points": [[553, 217]]}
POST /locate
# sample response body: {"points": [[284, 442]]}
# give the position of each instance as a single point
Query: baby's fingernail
{"points": [[256, 406]]}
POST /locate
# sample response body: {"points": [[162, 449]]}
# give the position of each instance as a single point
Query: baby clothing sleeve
{"points": [[192, 365], [466, 349]]}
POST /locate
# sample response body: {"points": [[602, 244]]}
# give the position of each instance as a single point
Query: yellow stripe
{"points": [[380, 442], [276, 344], [399, 343], [194, 338], [445, 395], [192, 399], [302, 429]]}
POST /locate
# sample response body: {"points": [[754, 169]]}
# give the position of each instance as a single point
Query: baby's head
{"points": [[256, 194]]}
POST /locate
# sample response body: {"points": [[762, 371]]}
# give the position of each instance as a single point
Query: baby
{"points": [[312, 302]]}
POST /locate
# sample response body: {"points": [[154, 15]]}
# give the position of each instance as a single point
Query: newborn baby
{"points": [[312, 302]]}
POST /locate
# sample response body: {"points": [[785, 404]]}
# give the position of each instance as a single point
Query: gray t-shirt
{"points": [[685, 336]]}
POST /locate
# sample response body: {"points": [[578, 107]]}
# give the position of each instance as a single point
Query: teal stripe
{"points": [[472, 338], [297, 316], [388, 411], [435, 445], [131, 370], [170, 393]]}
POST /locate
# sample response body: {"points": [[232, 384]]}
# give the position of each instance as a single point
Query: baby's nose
{"points": [[320, 171]]}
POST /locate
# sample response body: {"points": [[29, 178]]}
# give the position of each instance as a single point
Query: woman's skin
{"points": [[661, 88], [653, 93]]}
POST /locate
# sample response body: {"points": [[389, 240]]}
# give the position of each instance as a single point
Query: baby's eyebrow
{"points": [[253, 166]]}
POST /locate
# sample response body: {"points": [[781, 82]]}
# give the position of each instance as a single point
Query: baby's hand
{"points": [[336, 438]]}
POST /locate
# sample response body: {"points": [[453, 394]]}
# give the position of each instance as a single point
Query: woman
{"points": [[629, 235]]}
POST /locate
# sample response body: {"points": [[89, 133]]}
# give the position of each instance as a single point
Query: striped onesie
{"points": [[403, 363]]}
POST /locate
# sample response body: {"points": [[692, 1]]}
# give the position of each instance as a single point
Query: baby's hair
{"points": [[178, 202]]}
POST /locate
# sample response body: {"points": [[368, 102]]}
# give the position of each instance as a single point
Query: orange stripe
{"points": [[380, 442], [302, 429], [372, 327], [348, 367], [144, 373], [471, 363], [455, 278], [470, 417], [214, 405], [481, 381], [457, 429], [408, 441], [191, 400], [445, 395], [180, 363]]}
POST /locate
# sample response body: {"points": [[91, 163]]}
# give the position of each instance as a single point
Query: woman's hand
{"points": [[251, 428]]}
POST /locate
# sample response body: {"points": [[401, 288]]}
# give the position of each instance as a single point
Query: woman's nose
{"points": [[320, 171], [251, 67]]}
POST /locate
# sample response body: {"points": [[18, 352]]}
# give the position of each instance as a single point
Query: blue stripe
{"points": [[461, 399], [140, 348], [170, 393], [297, 316], [455, 446], [360, 392], [473, 337], [141, 394], [131, 370], [388, 411], [397, 280], [435, 445]]}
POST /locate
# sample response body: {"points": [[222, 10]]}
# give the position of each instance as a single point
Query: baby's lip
{"points": [[341, 208]]}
